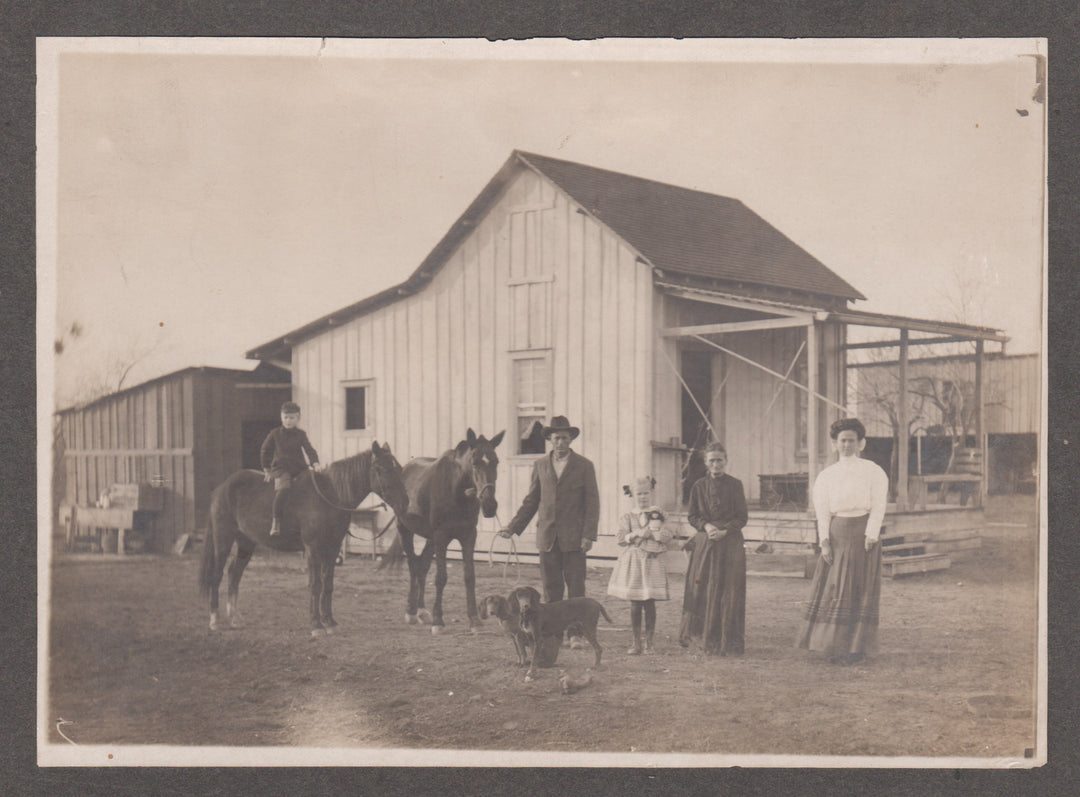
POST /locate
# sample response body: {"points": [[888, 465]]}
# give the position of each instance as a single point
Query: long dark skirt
{"points": [[714, 599], [842, 614]]}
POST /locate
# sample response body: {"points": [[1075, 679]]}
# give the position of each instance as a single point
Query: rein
{"points": [[374, 536], [318, 489], [315, 481], [510, 553]]}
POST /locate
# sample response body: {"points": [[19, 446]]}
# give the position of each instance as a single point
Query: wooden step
{"points": [[907, 565], [904, 549]]}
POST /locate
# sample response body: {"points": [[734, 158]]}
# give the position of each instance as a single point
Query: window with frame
{"points": [[357, 415], [531, 385]]}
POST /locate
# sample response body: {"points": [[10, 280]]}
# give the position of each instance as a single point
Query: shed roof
{"points": [[262, 374], [677, 230]]}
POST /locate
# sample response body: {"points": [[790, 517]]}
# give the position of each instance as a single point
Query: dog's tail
{"points": [[603, 611]]}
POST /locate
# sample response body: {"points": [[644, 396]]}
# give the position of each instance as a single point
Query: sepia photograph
{"points": [[610, 403]]}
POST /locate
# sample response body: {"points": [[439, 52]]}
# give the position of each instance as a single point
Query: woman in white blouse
{"points": [[849, 501]]}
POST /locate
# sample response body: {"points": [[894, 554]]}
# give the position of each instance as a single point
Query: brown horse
{"points": [[446, 496], [315, 519]]}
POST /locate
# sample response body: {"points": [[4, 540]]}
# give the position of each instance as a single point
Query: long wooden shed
{"points": [[183, 433]]}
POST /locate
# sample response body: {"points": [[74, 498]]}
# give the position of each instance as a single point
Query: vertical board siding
{"points": [[441, 360], [181, 433], [1013, 391]]}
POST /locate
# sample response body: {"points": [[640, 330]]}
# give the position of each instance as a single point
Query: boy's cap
{"points": [[290, 407]]}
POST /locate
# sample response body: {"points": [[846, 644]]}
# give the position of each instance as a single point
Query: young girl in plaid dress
{"points": [[639, 575]]}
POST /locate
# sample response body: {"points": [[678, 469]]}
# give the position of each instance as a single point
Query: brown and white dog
{"points": [[551, 619], [499, 607]]}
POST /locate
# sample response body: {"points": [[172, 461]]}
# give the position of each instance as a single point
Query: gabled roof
{"points": [[677, 230], [691, 232]]}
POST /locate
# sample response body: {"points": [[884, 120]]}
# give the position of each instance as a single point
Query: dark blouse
{"points": [[717, 501]]}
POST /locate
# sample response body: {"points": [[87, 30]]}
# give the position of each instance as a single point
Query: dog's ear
{"points": [[513, 604]]}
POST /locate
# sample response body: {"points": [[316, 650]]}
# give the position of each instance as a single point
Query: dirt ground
{"points": [[132, 662]]}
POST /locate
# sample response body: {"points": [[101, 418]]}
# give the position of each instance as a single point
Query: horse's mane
{"points": [[440, 480], [346, 474]]}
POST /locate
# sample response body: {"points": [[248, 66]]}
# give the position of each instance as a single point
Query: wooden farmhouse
{"points": [[169, 442], [654, 317]]}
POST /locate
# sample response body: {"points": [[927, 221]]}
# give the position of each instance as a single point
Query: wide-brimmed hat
{"points": [[560, 424]]}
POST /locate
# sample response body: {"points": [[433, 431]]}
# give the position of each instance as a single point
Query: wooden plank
{"points": [[737, 326], [471, 335], [607, 445], [428, 336], [485, 330], [501, 327], [643, 377], [947, 546], [402, 353], [904, 549], [571, 294], [910, 565], [458, 344], [592, 395], [631, 426]]}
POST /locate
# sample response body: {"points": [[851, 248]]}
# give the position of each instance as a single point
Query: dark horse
{"points": [[446, 496], [315, 518]]}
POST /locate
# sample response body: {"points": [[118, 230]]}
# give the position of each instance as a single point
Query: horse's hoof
{"points": [[318, 632], [437, 629], [330, 630], [214, 622], [411, 619], [425, 616], [528, 677]]}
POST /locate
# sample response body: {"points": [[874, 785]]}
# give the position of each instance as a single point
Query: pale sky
{"points": [[206, 203]]}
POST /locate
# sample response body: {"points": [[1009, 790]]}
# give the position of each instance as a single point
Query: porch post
{"points": [[902, 422], [811, 405], [980, 425]]}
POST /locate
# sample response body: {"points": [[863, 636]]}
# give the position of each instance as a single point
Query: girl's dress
{"points": [[842, 614], [639, 573]]}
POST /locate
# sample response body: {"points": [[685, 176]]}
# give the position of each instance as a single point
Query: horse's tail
{"points": [[394, 555], [603, 611], [209, 559]]}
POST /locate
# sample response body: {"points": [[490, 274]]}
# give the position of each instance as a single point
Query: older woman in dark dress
{"points": [[714, 598]]}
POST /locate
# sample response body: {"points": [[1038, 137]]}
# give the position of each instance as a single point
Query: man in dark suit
{"points": [[563, 489]]}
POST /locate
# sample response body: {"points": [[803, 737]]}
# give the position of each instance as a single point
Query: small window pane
{"points": [[532, 440], [356, 408]]}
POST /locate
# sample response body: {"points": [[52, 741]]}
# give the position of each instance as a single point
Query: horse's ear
{"points": [[497, 438], [470, 437], [375, 448], [462, 447]]}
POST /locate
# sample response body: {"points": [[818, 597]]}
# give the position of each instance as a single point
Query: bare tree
{"points": [[877, 395]]}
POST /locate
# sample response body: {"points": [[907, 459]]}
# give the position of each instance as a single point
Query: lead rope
{"points": [[512, 552]]}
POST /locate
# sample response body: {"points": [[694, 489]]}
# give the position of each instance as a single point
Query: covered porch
{"points": [[772, 359]]}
